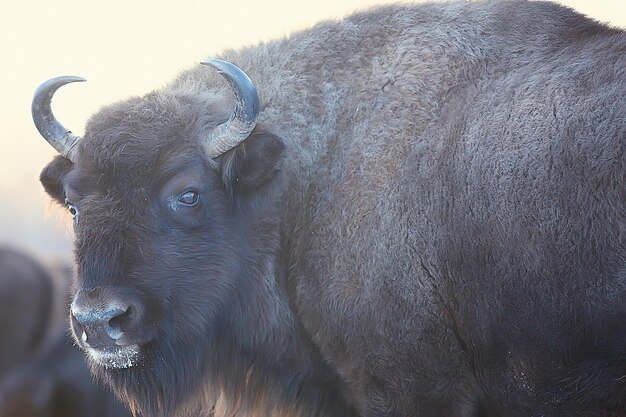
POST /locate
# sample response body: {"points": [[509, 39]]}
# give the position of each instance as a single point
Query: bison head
{"points": [[174, 206]]}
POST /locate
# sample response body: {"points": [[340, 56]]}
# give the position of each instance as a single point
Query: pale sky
{"points": [[125, 48]]}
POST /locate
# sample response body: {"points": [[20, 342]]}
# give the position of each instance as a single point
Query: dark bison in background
{"points": [[423, 215], [56, 383], [26, 299]]}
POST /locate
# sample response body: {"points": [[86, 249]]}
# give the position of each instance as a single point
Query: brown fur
{"points": [[443, 234]]}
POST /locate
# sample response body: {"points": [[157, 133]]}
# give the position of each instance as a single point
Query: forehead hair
{"points": [[130, 141]]}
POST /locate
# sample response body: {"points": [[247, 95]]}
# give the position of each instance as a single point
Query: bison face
{"points": [[167, 241]]}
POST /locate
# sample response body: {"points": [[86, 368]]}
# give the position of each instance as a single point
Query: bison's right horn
{"points": [[243, 120], [50, 128]]}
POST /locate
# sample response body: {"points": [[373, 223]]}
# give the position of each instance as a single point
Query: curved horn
{"points": [[241, 123], [50, 128]]}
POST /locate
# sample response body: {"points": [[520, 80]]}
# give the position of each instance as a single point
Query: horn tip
{"points": [[54, 83], [71, 79], [214, 62]]}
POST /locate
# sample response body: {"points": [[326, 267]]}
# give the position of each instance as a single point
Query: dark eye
{"points": [[72, 208], [190, 198]]}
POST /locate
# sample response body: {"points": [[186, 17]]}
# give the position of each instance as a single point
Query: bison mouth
{"points": [[118, 357]]}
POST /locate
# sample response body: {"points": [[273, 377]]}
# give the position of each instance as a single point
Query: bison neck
{"points": [[261, 361]]}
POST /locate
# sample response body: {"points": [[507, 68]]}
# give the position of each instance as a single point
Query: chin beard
{"points": [[209, 376], [161, 377]]}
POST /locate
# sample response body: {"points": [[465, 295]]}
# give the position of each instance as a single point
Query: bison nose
{"points": [[98, 323], [97, 329]]}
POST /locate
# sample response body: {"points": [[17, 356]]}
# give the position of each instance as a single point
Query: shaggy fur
{"points": [[428, 221]]}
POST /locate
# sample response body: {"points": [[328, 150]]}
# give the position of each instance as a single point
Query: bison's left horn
{"points": [[50, 128], [241, 123]]}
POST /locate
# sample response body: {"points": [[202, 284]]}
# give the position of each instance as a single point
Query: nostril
{"points": [[120, 323]]}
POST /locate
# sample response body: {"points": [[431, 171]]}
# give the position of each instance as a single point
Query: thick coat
{"points": [[427, 221]]}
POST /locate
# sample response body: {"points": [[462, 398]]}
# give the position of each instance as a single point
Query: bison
{"points": [[26, 298], [56, 382], [414, 211]]}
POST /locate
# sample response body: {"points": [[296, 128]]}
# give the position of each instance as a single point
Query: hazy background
{"points": [[124, 48]]}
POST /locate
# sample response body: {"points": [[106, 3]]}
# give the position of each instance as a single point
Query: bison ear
{"points": [[253, 164], [52, 177]]}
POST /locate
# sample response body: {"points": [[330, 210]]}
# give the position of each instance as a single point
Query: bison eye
{"points": [[190, 198], [72, 208]]}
